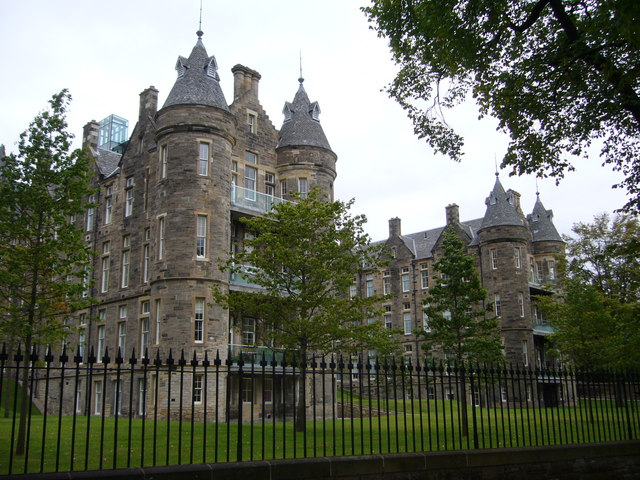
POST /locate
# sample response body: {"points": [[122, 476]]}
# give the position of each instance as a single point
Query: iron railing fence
{"points": [[85, 413]]}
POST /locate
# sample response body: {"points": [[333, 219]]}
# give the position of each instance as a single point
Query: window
{"points": [[525, 353], [142, 396], [198, 327], [91, 213], [248, 331], [270, 184], [158, 316], [78, 396], [387, 321], [234, 174], [164, 160], [408, 349], [406, 318], [122, 337], [201, 236], [86, 280], [424, 275], [144, 308], [521, 303], [161, 238], [406, 306], [108, 210], [126, 258], [250, 157], [203, 159], [532, 271], [250, 177], [353, 290], [97, 403], [386, 285], [503, 394], [551, 265], [81, 342], [100, 350], [267, 390], [425, 322], [197, 388], [247, 390], [122, 311], [498, 305], [283, 188], [128, 202], [517, 257], [406, 282], [104, 285], [102, 315], [144, 335], [251, 122], [369, 282], [303, 187], [146, 254], [494, 258]]}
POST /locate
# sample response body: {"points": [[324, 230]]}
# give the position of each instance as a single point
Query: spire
{"points": [[541, 223], [302, 122], [502, 207], [198, 80]]}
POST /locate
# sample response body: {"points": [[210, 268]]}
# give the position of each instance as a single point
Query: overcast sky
{"points": [[106, 53]]}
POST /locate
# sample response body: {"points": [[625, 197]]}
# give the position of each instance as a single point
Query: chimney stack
{"points": [[394, 227], [148, 103], [245, 82], [453, 214], [90, 135]]}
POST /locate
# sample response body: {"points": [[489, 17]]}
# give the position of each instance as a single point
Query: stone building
{"points": [[515, 260], [166, 212]]}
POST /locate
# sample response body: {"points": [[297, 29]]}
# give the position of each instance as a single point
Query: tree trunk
{"points": [[301, 408], [24, 398]]}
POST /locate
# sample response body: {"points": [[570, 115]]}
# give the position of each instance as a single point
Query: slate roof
{"points": [[421, 243], [500, 209], [107, 161], [301, 125], [198, 80], [541, 224]]}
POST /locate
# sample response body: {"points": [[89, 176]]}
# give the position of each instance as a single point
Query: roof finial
{"points": [[200, 32], [301, 79], [495, 161], [537, 189]]}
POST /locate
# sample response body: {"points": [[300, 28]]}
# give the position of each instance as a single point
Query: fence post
{"points": [[240, 388]]}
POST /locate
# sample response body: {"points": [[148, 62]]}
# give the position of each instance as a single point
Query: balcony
{"points": [[253, 354], [252, 201], [244, 277]]}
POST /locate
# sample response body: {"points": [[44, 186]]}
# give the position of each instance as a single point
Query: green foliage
{"points": [[459, 322], [595, 316], [41, 252], [558, 75], [304, 257]]}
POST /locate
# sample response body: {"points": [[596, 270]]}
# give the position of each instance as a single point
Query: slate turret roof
{"points": [[541, 224], [501, 209], [301, 125], [198, 82]]}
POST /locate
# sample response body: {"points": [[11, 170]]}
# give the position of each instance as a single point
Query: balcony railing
{"points": [[244, 276], [254, 354], [253, 200]]}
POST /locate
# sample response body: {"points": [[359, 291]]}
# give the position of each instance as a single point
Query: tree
{"points": [[558, 75], [595, 315], [461, 323], [303, 256], [43, 258]]}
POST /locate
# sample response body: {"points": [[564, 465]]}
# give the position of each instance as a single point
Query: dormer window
{"points": [[181, 66], [315, 111], [212, 68], [286, 111]]}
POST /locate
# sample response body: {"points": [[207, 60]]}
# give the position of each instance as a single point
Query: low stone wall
{"points": [[617, 460]]}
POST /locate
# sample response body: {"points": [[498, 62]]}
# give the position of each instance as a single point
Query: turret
{"points": [[503, 239], [304, 157]]}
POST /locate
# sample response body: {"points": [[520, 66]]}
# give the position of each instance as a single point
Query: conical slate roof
{"points": [[198, 80], [301, 125], [500, 208], [541, 224]]}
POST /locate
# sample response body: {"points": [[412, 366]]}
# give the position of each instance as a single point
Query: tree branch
{"points": [[533, 16]]}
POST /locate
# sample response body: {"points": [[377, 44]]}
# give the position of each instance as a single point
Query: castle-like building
{"points": [[515, 257], [167, 210]]}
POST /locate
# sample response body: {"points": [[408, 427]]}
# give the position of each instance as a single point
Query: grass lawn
{"points": [[79, 443]]}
